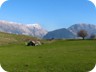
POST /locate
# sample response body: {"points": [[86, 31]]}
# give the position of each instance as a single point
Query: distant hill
{"points": [[59, 34], [26, 29], [91, 29]]}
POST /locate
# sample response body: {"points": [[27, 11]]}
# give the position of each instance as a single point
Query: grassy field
{"points": [[55, 56]]}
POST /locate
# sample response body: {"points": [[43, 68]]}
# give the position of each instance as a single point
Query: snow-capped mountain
{"points": [[60, 34], [37, 30], [26, 29], [90, 28], [71, 32]]}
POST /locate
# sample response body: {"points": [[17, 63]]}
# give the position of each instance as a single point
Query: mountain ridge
{"points": [[59, 34], [71, 32], [36, 30], [90, 28], [25, 29]]}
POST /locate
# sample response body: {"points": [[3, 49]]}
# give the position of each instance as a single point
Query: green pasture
{"points": [[54, 56]]}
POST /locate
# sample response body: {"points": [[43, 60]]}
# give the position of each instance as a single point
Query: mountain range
{"points": [[34, 30], [71, 32], [90, 28]]}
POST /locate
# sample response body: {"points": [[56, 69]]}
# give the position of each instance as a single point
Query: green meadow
{"points": [[52, 56]]}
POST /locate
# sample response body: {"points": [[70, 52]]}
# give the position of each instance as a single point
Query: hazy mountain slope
{"points": [[59, 34], [37, 30], [25, 29], [91, 29]]}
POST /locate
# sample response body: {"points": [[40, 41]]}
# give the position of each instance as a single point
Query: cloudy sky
{"points": [[50, 14]]}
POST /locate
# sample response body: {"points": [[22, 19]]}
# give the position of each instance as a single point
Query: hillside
{"points": [[6, 38]]}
